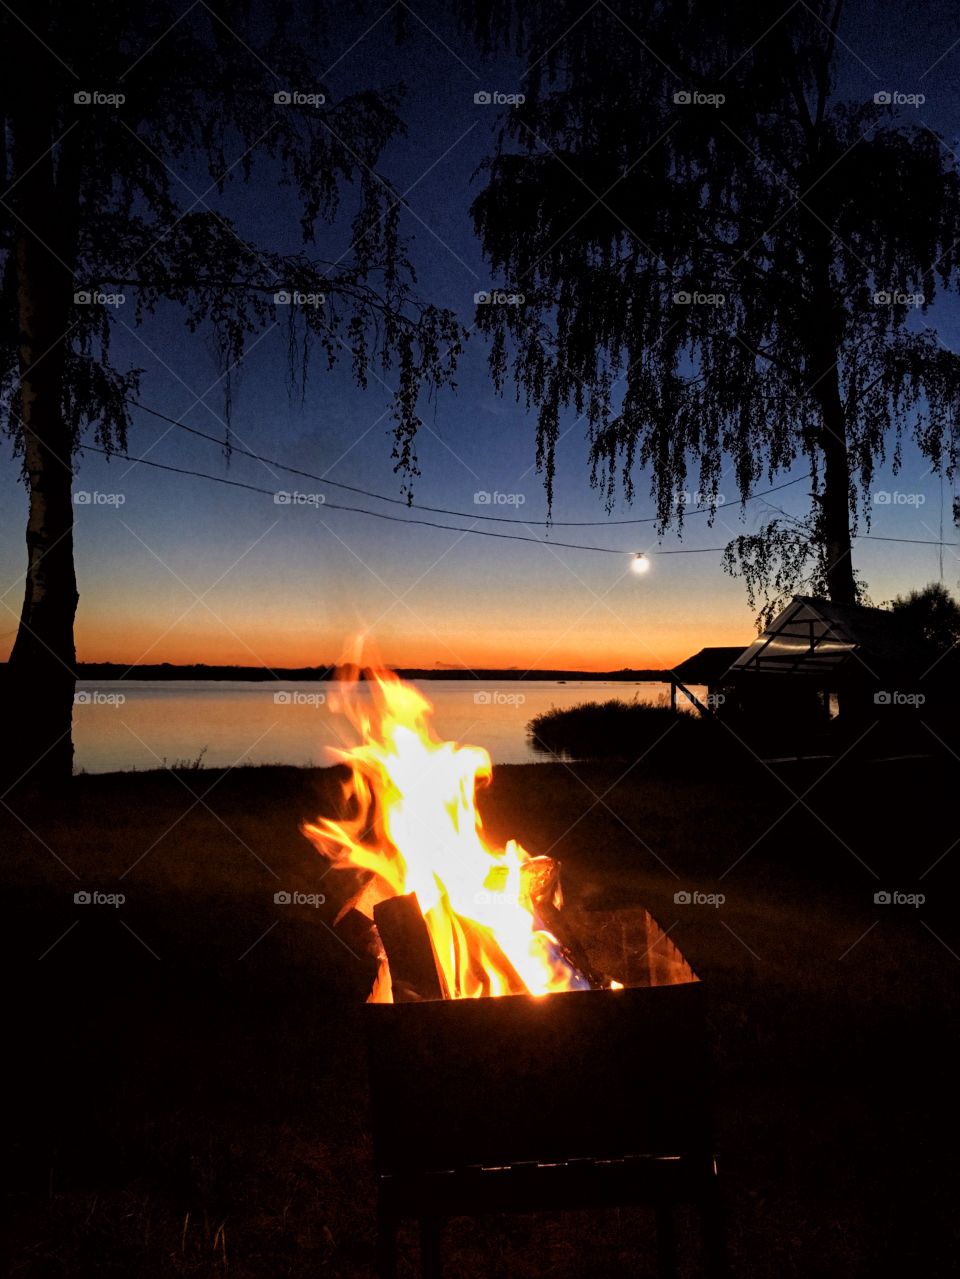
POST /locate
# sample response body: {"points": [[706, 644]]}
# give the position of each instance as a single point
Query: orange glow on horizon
{"points": [[138, 645], [644, 623]]}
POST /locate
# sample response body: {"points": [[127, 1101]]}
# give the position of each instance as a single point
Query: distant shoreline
{"points": [[305, 674]]}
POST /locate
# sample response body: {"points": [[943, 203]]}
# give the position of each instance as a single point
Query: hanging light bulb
{"points": [[640, 563]]}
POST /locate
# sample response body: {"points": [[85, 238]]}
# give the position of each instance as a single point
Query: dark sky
{"points": [[282, 585]]}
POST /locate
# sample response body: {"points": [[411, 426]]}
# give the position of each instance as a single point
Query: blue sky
{"points": [[283, 585]]}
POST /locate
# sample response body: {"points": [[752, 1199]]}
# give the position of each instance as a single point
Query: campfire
{"points": [[448, 913], [531, 1078]]}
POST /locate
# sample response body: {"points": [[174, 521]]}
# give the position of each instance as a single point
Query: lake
{"points": [[131, 724]]}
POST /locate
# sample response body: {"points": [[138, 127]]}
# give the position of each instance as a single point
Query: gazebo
{"points": [[822, 647]]}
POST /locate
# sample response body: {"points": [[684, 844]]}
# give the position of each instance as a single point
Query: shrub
{"points": [[621, 730]]}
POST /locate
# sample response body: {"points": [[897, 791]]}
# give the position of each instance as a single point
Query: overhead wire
{"points": [[395, 519], [434, 510], [468, 515]]}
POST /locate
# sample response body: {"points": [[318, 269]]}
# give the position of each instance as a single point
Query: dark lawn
{"points": [[190, 1095]]}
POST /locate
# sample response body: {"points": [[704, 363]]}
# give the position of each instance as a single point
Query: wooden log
{"points": [[409, 950], [371, 891], [359, 934], [540, 883], [543, 895], [574, 953]]}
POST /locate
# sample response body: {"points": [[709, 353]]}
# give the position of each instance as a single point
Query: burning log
{"points": [[370, 892], [405, 938], [543, 896], [540, 884], [358, 933], [354, 928], [354, 921], [572, 951]]}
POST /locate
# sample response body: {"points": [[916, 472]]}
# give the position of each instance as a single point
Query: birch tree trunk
{"points": [[41, 669]]}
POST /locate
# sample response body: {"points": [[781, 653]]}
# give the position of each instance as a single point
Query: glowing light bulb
{"points": [[640, 563]]}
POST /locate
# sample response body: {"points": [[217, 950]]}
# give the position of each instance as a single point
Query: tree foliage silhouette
{"points": [[103, 197], [725, 265], [932, 614]]}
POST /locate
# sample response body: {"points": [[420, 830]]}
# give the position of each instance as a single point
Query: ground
{"points": [[191, 1094]]}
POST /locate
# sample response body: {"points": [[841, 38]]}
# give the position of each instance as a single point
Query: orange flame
{"points": [[414, 823]]}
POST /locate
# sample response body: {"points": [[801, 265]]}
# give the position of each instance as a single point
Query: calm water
{"points": [[143, 725]]}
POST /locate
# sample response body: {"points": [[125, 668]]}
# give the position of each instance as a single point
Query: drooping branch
{"points": [[722, 281]]}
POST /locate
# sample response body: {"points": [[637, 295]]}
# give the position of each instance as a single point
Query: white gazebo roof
{"points": [[817, 637]]}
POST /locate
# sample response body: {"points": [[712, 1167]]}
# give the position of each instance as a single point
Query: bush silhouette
{"points": [[623, 730]]}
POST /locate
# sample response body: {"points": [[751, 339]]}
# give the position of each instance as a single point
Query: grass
{"points": [[190, 1095]]}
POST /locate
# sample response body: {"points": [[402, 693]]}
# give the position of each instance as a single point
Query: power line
{"points": [[447, 528], [436, 510], [913, 541], [874, 537], [396, 519]]}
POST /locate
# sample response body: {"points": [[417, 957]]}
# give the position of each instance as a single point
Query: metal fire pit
{"points": [[581, 1099]]}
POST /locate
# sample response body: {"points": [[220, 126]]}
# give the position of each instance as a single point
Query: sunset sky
{"points": [[284, 585]]}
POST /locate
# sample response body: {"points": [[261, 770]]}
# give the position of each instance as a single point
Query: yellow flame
{"points": [[413, 821]]}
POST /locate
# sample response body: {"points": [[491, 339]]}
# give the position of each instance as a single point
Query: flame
{"points": [[413, 822]]}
